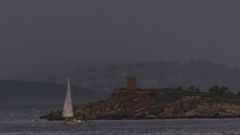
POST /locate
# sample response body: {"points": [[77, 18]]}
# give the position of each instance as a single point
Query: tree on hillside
{"points": [[220, 92]]}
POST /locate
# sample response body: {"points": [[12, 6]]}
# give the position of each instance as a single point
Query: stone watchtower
{"points": [[130, 83]]}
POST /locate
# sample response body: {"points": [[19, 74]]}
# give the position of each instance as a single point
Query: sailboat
{"points": [[68, 108]]}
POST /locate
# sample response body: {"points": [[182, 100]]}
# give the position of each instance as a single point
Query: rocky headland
{"points": [[158, 104]]}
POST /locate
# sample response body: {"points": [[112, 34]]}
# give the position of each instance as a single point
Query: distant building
{"points": [[130, 83]]}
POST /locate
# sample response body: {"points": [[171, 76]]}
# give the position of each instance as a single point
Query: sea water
{"points": [[23, 120]]}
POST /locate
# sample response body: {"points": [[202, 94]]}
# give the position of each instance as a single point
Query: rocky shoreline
{"points": [[154, 104]]}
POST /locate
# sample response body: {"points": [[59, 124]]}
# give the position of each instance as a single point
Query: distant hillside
{"points": [[32, 91], [199, 73]]}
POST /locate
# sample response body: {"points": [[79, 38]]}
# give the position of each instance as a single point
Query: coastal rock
{"points": [[215, 109], [179, 108], [153, 104], [53, 115]]}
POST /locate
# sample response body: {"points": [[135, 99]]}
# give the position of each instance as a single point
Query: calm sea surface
{"points": [[23, 120]]}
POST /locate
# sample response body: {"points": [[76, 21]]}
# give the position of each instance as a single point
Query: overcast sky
{"points": [[95, 31]]}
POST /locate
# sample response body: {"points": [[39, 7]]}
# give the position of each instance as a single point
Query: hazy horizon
{"points": [[36, 69]]}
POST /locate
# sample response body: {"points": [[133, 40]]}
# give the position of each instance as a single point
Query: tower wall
{"points": [[130, 83]]}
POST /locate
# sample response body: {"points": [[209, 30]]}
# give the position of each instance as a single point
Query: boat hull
{"points": [[75, 122]]}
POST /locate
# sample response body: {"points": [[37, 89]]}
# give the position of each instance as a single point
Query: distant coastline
{"points": [[14, 91], [29, 102]]}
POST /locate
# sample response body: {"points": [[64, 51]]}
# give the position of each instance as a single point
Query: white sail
{"points": [[68, 107]]}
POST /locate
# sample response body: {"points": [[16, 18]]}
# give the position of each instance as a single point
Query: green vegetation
{"points": [[215, 93], [223, 94]]}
